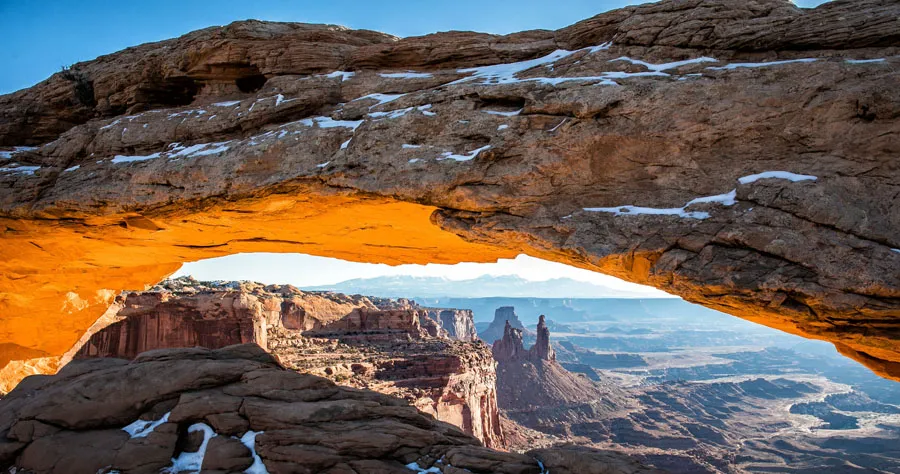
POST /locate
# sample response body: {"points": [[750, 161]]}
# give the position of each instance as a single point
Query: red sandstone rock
{"points": [[583, 145], [379, 343], [303, 423]]}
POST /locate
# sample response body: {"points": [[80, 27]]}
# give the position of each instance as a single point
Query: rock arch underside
{"points": [[742, 155]]}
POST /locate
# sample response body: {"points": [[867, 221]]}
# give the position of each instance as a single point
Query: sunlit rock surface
{"points": [[739, 154], [182, 410], [390, 346]]}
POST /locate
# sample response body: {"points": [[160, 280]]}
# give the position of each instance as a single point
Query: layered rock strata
{"points": [[391, 346], [503, 316], [235, 410], [738, 154], [534, 390]]}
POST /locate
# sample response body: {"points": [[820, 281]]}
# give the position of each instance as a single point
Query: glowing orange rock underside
{"points": [[60, 276]]}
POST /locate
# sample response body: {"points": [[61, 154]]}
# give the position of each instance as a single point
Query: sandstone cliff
{"points": [[236, 410], [739, 154], [459, 323], [391, 346], [503, 316], [534, 390]]}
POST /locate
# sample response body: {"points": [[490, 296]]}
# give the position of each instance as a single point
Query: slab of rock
{"points": [[294, 422], [741, 155]]}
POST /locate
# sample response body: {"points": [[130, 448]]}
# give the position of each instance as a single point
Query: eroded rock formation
{"points": [[504, 316], [534, 390], [459, 323], [232, 409], [390, 346], [739, 154]]}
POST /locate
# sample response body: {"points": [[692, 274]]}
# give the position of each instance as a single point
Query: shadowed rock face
{"points": [[504, 317], [391, 346], [739, 154], [95, 416]]}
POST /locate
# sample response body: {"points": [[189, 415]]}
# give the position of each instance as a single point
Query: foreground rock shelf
{"points": [[740, 155], [236, 409]]}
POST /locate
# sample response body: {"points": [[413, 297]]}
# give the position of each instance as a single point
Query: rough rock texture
{"points": [[159, 321], [365, 342], [534, 390], [459, 323], [181, 151], [541, 348], [504, 316], [454, 381], [75, 422]]}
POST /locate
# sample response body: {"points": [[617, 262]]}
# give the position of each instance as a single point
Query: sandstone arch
{"points": [[442, 165]]}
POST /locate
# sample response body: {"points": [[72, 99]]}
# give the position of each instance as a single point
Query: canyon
{"points": [[236, 409], [741, 155], [390, 346]]}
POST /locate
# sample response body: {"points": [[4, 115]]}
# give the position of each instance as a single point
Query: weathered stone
{"points": [[631, 123], [352, 429]]}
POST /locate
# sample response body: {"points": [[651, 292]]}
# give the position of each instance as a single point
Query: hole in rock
{"points": [[174, 91], [250, 83], [566, 354]]}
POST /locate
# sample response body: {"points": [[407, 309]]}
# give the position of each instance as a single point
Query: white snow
{"points": [[72, 168], [322, 165], [864, 61], [141, 428], [200, 149], [279, 99], [766, 64], [406, 75], [21, 169], [793, 177], [249, 440], [727, 199], [415, 467], [192, 462], [328, 122], [131, 159], [227, 104], [392, 114], [895, 250], [503, 127], [506, 73], [186, 112], [111, 124], [599, 47], [415, 160], [381, 98], [5, 155], [504, 114], [343, 145], [635, 210], [561, 122], [344, 75], [666, 66], [466, 157], [407, 146]]}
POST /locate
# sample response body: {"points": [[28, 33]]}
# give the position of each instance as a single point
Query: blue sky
{"points": [[41, 36]]}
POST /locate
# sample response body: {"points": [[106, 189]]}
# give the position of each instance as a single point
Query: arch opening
{"points": [[711, 375], [60, 277]]}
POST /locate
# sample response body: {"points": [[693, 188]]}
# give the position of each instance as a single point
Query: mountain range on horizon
{"points": [[485, 286]]}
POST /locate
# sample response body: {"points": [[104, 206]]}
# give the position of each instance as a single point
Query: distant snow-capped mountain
{"points": [[405, 286]]}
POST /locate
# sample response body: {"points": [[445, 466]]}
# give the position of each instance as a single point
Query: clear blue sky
{"points": [[41, 36]]}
